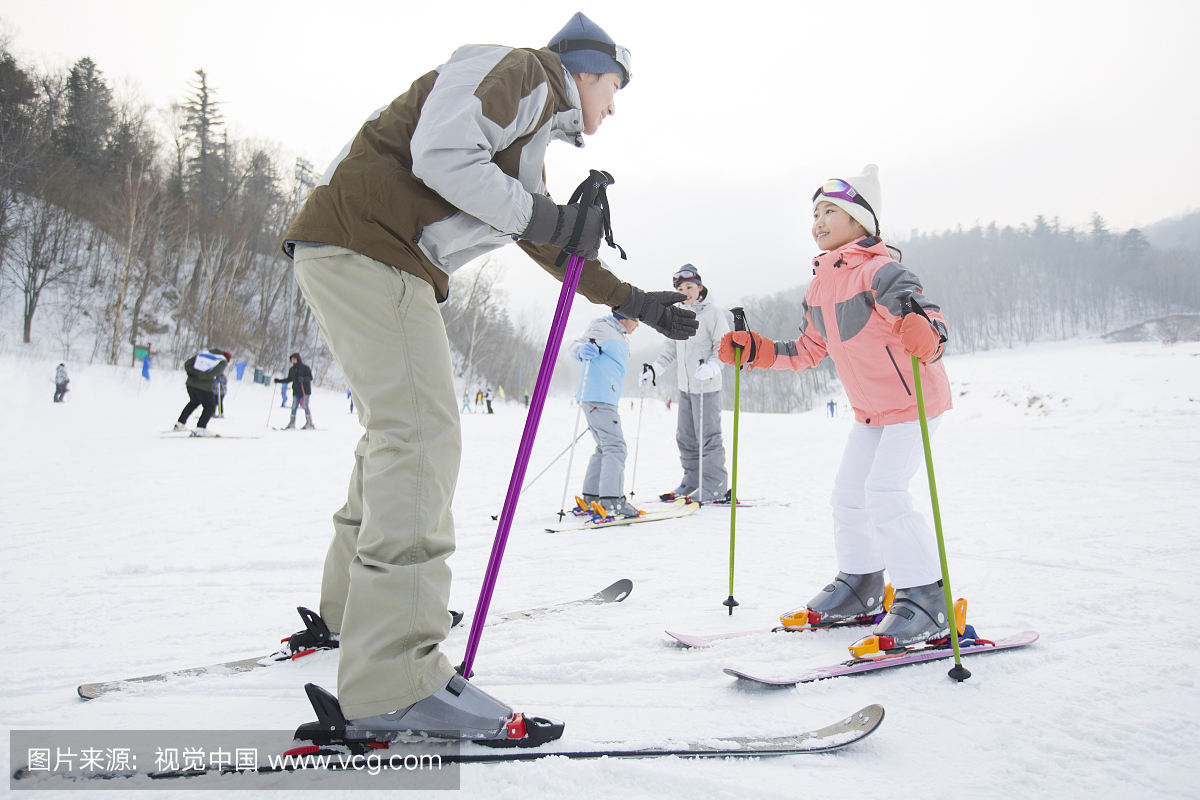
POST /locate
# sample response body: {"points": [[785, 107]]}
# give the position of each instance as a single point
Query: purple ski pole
{"points": [[588, 191]]}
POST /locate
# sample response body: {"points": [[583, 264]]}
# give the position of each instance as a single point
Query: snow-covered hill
{"points": [[1069, 479]]}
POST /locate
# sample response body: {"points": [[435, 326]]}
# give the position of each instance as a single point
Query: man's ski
{"points": [[847, 731], [883, 660], [610, 594], [692, 640], [89, 691], [680, 509], [844, 732]]}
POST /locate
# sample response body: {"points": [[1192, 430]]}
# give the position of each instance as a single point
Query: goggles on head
{"points": [[685, 274], [618, 53], [838, 188]]}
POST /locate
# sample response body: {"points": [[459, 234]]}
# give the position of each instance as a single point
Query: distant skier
{"points": [[832, 408], [604, 349], [283, 393], [300, 377], [60, 383], [487, 398], [202, 370], [852, 314], [698, 374]]}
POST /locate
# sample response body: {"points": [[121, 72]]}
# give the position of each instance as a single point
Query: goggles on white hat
{"points": [[838, 188]]}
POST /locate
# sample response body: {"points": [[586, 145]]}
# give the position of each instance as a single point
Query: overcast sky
{"points": [[736, 111]]}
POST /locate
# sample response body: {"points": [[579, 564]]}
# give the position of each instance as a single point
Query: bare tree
{"points": [[135, 215], [41, 253]]}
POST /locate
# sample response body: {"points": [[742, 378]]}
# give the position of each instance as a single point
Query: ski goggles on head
{"points": [[840, 190], [687, 273], [617, 52], [843, 191]]}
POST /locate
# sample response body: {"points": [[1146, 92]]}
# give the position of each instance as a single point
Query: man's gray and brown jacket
{"points": [[446, 172]]}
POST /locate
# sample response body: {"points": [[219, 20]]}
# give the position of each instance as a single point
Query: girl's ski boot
{"points": [[858, 598], [917, 618]]}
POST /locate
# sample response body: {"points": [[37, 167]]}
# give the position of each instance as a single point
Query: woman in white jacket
{"points": [[698, 372]]}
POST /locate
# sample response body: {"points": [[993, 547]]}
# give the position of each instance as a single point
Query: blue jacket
{"points": [[607, 371]]}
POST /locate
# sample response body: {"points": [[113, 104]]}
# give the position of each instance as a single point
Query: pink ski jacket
{"points": [[849, 310]]}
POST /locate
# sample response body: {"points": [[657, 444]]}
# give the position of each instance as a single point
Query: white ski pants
{"points": [[386, 582], [874, 523]]}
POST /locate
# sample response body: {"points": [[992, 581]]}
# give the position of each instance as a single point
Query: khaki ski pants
{"points": [[386, 582]]}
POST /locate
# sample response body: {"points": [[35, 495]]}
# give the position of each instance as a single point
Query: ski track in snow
{"points": [[1069, 481]]}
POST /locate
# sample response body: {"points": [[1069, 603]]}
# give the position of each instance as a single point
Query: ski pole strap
{"points": [[740, 324], [592, 192], [910, 306]]}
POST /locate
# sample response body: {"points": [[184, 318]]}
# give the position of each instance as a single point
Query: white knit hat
{"points": [[867, 186]]}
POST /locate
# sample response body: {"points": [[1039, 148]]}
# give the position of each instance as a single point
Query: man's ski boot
{"points": [[202, 432], [618, 508], [682, 490], [458, 710], [583, 505], [179, 426], [850, 598], [917, 617]]}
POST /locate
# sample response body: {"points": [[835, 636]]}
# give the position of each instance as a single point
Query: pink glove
{"points": [[919, 337]]}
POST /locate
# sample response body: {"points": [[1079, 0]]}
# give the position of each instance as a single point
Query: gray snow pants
{"points": [[606, 469], [716, 479]]}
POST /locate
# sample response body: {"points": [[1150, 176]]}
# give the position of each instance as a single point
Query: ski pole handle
{"points": [[587, 194], [739, 324]]}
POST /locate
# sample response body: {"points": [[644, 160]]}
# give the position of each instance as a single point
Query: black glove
{"points": [[281, 380], [553, 225], [657, 309]]}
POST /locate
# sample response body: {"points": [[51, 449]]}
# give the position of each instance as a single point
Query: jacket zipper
{"points": [[899, 374]]}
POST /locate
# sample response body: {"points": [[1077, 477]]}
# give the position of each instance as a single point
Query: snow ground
{"points": [[1070, 489]]}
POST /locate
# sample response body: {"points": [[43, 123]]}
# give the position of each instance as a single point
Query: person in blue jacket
{"points": [[604, 349]]}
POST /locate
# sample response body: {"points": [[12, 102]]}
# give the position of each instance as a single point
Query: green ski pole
{"points": [[958, 672], [739, 324]]}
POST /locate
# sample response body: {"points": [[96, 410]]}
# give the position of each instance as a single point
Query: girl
{"points": [[852, 314], [698, 373]]}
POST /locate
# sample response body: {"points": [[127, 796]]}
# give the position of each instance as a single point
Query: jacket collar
{"points": [[567, 123], [851, 255], [616, 325]]}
